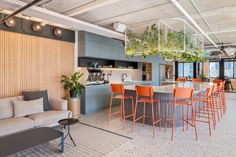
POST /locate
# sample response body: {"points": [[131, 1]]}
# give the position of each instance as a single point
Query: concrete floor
{"points": [[222, 143]]}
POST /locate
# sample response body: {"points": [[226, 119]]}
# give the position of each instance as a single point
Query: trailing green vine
{"points": [[147, 44]]}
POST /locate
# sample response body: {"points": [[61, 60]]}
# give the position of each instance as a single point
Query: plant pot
{"points": [[74, 106], [73, 93]]}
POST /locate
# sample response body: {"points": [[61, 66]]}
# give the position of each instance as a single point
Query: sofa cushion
{"points": [[12, 125], [31, 95], [48, 117], [25, 108], [6, 107]]}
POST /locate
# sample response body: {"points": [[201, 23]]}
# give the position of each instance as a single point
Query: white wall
{"points": [[132, 74]]}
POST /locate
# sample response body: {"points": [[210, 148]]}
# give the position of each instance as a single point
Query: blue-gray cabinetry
{"points": [[95, 98]]}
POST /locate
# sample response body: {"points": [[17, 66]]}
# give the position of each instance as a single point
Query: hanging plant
{"points": [[146, 44]]}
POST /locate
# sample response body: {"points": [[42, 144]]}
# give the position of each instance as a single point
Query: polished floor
{"points": [[221, 144]]}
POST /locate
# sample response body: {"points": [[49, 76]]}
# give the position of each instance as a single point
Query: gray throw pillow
{"points": [[32, 95]]}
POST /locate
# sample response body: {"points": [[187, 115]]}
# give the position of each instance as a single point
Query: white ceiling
{"points": [[220, 14]]}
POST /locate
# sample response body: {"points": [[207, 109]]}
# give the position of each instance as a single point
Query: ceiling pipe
{"points": [[19, 10], [199, 12], [183, 11]]}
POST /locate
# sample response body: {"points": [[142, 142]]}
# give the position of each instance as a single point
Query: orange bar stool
{"points": [[217, 81], [221, 98], [206, 114], [196, 80], [118, 92], [216, 106], [182, 96], [222, 91], [181, 79], [144, 95]]}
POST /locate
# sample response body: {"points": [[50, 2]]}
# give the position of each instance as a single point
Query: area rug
{"points": [[91, 142]]}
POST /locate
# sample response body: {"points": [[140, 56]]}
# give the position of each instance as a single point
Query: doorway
{"points": [[166, 73]]}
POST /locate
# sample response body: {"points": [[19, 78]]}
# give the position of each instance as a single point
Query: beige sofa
{"points": [[10, 124]]}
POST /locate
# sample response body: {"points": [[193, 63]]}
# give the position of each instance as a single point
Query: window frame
{"points": [[183, 68], [209, 69], [234, 68]]}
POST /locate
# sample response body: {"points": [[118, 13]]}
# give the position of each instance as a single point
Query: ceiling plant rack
{"points": [[172, 38]]}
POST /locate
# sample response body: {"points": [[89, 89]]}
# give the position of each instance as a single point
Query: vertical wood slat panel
{"points": [[66, 62], [51, 67], [33, 63]]}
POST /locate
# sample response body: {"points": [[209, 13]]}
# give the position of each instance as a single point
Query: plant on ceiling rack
{"points": [[146, 44]]}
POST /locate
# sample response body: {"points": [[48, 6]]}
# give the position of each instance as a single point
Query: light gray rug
{"points": [[91, 142]]}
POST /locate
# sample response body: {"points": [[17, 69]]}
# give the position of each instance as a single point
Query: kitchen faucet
{"points": [[108, 75], [124, 76]]}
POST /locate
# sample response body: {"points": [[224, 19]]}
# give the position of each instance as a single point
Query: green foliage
{"points": [[147, 44], [72, 84]]}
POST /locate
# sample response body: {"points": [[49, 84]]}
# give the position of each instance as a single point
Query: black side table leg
{"points": [[72, 140], [62, 145]]}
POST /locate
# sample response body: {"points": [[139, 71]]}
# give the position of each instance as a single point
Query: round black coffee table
{"points": [[68, 122]]}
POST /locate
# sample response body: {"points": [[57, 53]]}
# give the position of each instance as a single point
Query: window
{"points": [[234, 69], [214, 69], [229, 69], [180, 70], [185, 70]]}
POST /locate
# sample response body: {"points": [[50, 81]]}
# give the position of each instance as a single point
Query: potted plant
{"points": [[72, 84]]}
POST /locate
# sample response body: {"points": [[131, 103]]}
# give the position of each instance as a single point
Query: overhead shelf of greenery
{"points": [[172, 45]]}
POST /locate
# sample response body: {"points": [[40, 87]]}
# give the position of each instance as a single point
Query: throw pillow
{"points": [[31, 95], [26, 108]]}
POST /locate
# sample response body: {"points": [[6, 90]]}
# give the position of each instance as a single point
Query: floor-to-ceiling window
{"points": [[214, 69], [185, 70], [229, 69]]}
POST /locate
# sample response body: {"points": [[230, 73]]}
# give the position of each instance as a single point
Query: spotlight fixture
{"points": [[57, 32], [36, 27], [10, 22]]}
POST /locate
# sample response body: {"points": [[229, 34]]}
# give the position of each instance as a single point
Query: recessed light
{"points": [[26, 16]]}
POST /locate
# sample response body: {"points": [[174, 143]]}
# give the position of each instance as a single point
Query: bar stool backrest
{"points": [[209, 91], [183, 93], [214, 88], [145, 91], [220, 86], [195, 80], [223, 86], [181, 79], [117, 88], [217, 81]]}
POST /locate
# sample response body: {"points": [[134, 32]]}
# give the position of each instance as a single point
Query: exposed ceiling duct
{"points": [[184, 12], [199, 12], [73, 23]]}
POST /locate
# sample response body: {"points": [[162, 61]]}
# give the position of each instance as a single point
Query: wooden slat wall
{"points": [[33, 63]]}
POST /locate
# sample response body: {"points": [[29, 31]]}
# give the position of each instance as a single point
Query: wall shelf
{"points": [[106, 63]]}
